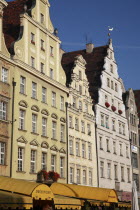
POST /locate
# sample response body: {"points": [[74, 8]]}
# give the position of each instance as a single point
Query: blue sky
{"points": [[78, 19]]}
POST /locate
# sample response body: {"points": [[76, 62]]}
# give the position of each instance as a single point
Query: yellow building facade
{"points": [[38, 92]]}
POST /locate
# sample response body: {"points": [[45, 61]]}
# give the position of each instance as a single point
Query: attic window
{"points": [[41, 18], [111, 68], [32, 38]]}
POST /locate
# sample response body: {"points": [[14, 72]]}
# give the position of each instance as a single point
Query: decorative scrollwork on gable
{"points": [[62, 150], [34, 143], [23, 104], [45, 145], [21, 139], [45, 112], [54, 148], [35, 108], [62, 119], [54, 116]]}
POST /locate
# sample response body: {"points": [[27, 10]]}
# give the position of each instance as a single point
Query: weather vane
{"points": [[109, 30]]}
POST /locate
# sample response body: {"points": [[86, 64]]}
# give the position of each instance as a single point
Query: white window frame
{"points": [[41, 18], [3, 110], [33, 161], [22, 119], [20, 158], [89, 152], [78, 176], [44, 126], [51, 51], [77, 124], [82, 126], [109, 170], [54, 125], [53, 99], [44, 161], [62, 133], [51, 73], [32, 62], [2, 153], [62, 103], [34, 123], [34, 90], [101, 169], [53, 162], [22, 84], [83, 150], [62, 164], [70, 122], [42, 67], [4, 75], [44, 94], [90, 178], [71, 147], [84, 177], [71, 175], [77, 149]]}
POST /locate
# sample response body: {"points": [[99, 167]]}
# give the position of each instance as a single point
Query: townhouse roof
{"points": [[94, 67], [137, 100], [11, 20]]}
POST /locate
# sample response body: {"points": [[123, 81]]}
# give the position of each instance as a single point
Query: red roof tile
{"points": [[94, 67]]}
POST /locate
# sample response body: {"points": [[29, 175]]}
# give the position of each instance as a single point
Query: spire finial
{"points": [[109, 31]]}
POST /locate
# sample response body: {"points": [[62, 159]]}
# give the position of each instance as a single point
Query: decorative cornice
{"points": [[34, 143], [54, 148], [62, 150], [45, 112], [23, 104], [44, 144], [53, 115], [35, 108], [21, 139], [62, 119]]}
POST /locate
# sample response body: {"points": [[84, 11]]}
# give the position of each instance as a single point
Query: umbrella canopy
{"points": [[135, 205]]}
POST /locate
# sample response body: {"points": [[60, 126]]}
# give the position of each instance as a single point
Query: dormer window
{"points": [[111, 68], [32, 38], [41, 18]]}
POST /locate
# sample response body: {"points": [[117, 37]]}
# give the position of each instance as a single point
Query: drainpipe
{"points": [[97, 154], [66, 104], [12, 126]]}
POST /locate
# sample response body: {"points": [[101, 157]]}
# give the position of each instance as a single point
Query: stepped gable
{"points": [[94, 67], [137, 100], [11, 20]]}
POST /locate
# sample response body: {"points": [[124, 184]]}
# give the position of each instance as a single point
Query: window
{"points": [[33, 161], [44, 126], [89, 153], [89, 129], [80, 89], [53, 130], [90, 178], [116, 172], [42, 67], [4, 75], [71, 175], [109, 170], [32, 62], [112, 85], [32, 38], [102, 120], [34, 90], [34, 123], [42, 45], [41, 18], [111, 55], [51, 51], [127, 152], [80, 105], [122, 173], [78, 176], [51, 74], [128, 174], [70, 122], [116, 87], [21, 119], [83, 151], [76, 124], [44, 91], [53, 162], [53, 99], [61, 167], [80, 75], [106, 121], [136, 179], [20, 158], [113, 125], [111, 68], [123, 129], [62, 103], [86, 108], [83, 126], [74, 102], [22, 84], [106, 98], [108, 82], [71, 147], [3, 110], [120, 129], [77, 149], [84, 177], [134, 160], [44, 161], [62, 133], [107, 145], [2, 153], [101, 143], [101, 169], [114, 147], [121, 153]]}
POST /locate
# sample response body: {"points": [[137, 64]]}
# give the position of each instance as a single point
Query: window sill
{"points": [[35, 133], [102, 177], [34, 98], [3, 165], [78, 156], [23, 94], [129, 182], [72, 154], [22, 172], [33, 173], [54, 107], [101, 148], [71, 127], [44, 102], [83, 132], [64, 142], [42, 72], [4, 121], [22, 130], [121, 155], [42, 49], [115, 153], [44, 136], [122, 180], [77, 129], [5, 83], [32, 42], [54, 139], [62, 110], [108, 151], [62, 178]]}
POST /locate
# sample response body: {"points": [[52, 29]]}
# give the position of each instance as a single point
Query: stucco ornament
{"points": [[19, 52]]}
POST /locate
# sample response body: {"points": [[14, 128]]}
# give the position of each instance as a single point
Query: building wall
{"points": [[113, 141], [82, 147]]}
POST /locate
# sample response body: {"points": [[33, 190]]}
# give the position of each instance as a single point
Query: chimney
{"points": [[89, 48]]}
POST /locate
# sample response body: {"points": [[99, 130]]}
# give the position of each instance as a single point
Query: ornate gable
{"points": [[34, 143], [45, 112], [44, 144], [21, 139], [62, 119], [54, 148], [54, 116], [23, 103], [35, 108], [62, 150]]}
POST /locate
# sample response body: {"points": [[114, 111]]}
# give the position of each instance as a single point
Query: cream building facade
{"points": [[39, 93], [82, 168]]}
